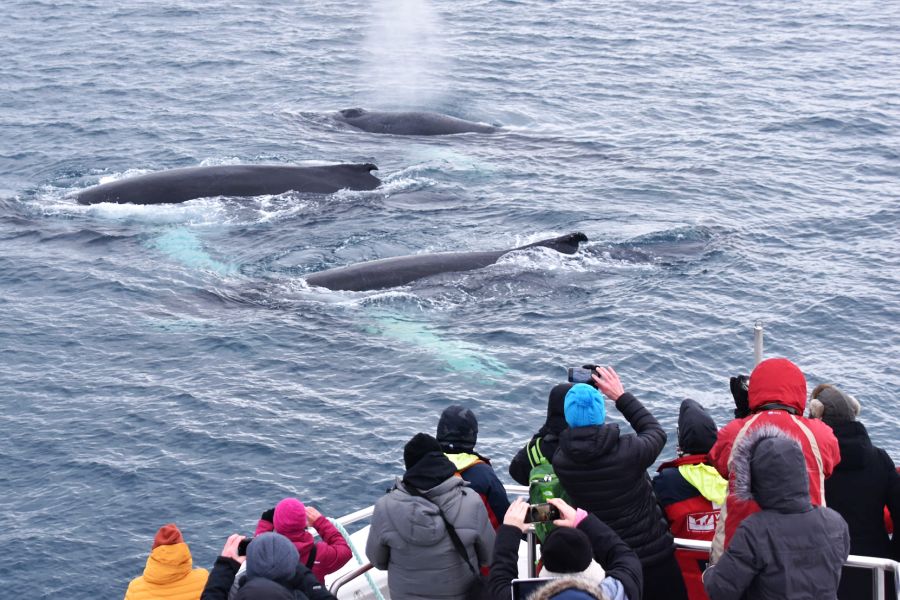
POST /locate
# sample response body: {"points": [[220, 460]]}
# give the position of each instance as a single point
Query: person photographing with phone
{"points": [[582, 553], [605, 472], [274, 571]]}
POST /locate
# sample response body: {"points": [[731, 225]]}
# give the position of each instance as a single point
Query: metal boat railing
{"points": [[878, 566]]}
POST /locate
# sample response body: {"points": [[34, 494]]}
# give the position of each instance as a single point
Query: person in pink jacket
{"points": [[290, 518]]}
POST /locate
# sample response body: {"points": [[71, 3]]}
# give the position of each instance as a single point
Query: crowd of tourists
{"points": [[784, 498]]}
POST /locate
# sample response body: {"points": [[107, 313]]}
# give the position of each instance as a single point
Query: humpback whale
{"points": [[400, 270], [409, 123], [180, 185]]}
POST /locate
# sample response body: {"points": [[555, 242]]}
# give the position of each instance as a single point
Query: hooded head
{"points": [[832, 405], [770, 468], [290, 517], [457, 429], [777, 381], [418, 447], [696, 429], [271, 556], [170, 559], [426, 465], [584, 406], [556, 413]]}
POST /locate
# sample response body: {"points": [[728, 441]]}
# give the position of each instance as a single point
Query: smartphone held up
{"points": [[542, 513], [583, 374]]}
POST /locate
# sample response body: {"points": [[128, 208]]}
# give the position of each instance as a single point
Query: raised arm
{"points": [[332, 552], [223, 572], [651, 437], [505, 563]]}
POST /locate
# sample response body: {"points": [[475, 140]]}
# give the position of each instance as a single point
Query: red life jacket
{"points": [[694, 517]]}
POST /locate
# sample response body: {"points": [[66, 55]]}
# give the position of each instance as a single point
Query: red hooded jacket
{"points": [[777, 396]]}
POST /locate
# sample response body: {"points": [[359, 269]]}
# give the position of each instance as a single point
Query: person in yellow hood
{"points": [[169, 573]]}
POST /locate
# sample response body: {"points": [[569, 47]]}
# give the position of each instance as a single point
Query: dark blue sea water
{"points": [[729, 161]]}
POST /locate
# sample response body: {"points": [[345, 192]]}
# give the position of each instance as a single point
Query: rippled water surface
{"points": [[729, 161]]}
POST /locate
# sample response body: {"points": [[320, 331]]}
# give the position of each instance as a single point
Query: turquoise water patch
{"points": [[456, 354], [185, 246]]}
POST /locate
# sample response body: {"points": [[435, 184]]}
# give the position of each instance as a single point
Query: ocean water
{"points": [[729, 161]]}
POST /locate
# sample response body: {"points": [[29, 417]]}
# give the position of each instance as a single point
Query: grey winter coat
{"points": [[790, 549], [409, 539]]}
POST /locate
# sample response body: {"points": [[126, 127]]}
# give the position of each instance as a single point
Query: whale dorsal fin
{"points": [[567, 244]]}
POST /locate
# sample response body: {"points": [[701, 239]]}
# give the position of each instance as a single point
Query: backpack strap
{"points": [[451, 531], [533, 450], [312, 558]]}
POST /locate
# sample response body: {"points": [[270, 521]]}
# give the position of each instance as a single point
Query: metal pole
{"points": [[897, 580], [531, 541], [878, 580], [757, 342]]}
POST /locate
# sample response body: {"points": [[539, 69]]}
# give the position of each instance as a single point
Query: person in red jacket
{"points": [[691, 491], [776, 396], [290, 518]]}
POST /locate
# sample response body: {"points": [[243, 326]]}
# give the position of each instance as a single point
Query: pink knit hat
{"points": [[290, 517]]}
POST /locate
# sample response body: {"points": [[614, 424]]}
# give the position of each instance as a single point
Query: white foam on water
{"points": [[444, 159], [110, 177]]}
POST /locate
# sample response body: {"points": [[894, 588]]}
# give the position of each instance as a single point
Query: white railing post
{"points": [[757, 342], [897, 580], [878, 580]]}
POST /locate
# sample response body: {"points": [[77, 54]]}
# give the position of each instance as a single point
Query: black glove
{"points": [[269, 515], [739, 386]]}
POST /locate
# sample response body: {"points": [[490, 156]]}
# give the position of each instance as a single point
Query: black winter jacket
{"points": [[302, 586], [614, 555], [605, 473], [863, 483], [789, 549]]}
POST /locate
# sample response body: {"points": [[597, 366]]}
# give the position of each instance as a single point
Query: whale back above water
{"points": [[181, 185], [400, 270], [409, 123]]}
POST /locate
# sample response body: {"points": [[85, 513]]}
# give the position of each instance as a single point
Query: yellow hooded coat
{"points": [[168, 575]]}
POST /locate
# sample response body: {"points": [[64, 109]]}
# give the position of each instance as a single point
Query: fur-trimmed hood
{"points": [[770, 468], [569, 583]]}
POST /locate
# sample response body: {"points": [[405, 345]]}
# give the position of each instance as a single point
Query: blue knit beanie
{"points": [[584, 406]]}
